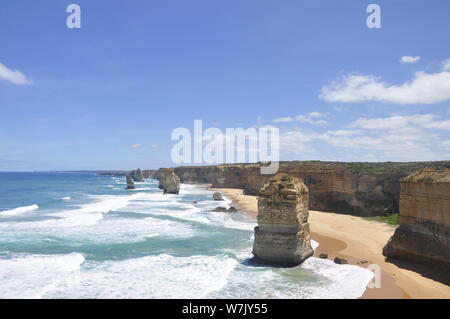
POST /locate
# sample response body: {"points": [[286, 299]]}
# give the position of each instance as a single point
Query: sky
{"points": [[109, 94]]}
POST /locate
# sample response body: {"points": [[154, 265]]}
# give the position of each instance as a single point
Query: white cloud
{"points": [[402, 137], [445, 144], [136, 146], [424, 88], [410, 59], [312, 118], [15, 76], [283, 119], [317, 114], [428, 121], [305, 119], [446, 65]]}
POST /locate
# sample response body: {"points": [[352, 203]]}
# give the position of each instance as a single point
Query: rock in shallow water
{"points": [[130, 183], [217, 196], [169, 181], [340, 261]]}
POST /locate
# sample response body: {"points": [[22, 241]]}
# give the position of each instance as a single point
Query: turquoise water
{"points": [[80, 235]]}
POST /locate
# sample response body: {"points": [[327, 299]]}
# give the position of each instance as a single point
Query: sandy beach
{"points": [[361, 241]]}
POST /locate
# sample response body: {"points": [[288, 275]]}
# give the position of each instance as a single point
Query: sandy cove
{"points": [[361, 242]]}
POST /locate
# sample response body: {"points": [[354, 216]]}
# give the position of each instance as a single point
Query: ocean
{"points": [[80, 235]]}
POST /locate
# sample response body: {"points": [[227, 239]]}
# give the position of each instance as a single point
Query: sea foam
{"points": [[19, 210], [36, 275]]}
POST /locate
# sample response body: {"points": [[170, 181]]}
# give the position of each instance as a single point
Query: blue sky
{"points": [[108, 95]]}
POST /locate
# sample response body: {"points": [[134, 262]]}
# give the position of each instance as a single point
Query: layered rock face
{"points": [[282, 236], [332, 186], [130, 183], [169, 181], [363, 189], [424, 232]]}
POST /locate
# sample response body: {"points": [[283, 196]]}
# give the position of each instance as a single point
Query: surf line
{"points": [[193, 309]]}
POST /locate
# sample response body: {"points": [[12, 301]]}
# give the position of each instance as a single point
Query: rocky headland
{"points": [[424, 232]]}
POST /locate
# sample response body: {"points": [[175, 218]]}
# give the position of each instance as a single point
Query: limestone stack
{"points": [[282, 236], [130, 183], [137, 175], [424, 232], [169, 181]]}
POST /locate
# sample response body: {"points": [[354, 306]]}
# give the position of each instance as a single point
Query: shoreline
{"points": [[360, 241]]}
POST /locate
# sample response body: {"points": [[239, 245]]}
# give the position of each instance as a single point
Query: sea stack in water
{"points": [[137, 175], [169, 181], [282, 236], [130, 183], [424, 232], [217, 196]]}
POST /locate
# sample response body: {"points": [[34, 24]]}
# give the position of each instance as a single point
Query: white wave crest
{"points": [[19, 210], [36, 275]]}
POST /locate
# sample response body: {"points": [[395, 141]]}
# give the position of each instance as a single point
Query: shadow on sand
{"points": [[425, 271]]}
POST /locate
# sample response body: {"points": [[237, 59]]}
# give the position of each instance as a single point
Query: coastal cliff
{"points": [[282, 236], [362, 189], [424, 232]]}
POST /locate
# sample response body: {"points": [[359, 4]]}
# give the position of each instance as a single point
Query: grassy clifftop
{"points": [[377, 167]]}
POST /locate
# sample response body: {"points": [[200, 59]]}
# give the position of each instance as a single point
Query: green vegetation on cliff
{"points": [[376, 167], [391, 219]]}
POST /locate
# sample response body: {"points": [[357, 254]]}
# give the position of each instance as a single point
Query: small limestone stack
{"points": [[217, 196], [130, 183], [424, 232], [282, 236], [169, 181]]}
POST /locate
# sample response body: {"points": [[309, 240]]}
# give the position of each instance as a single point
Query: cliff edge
{"points": [[424, 232]]}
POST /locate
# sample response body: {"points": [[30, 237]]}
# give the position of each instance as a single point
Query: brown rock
{"points": [[340, 261], [282, 236], [169, 181], [217, 196], [130, 183], [424, 232]]}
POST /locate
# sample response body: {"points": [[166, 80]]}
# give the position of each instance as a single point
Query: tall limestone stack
{"points": [[169, 181], [130, 183], [137, 175], [424, 232], [282, 236]]}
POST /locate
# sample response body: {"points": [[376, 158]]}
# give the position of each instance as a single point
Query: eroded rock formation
{"points": [[424, 232], [130, 183], [169, 181], [217, 196], [137, 175], [282, 236]]}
